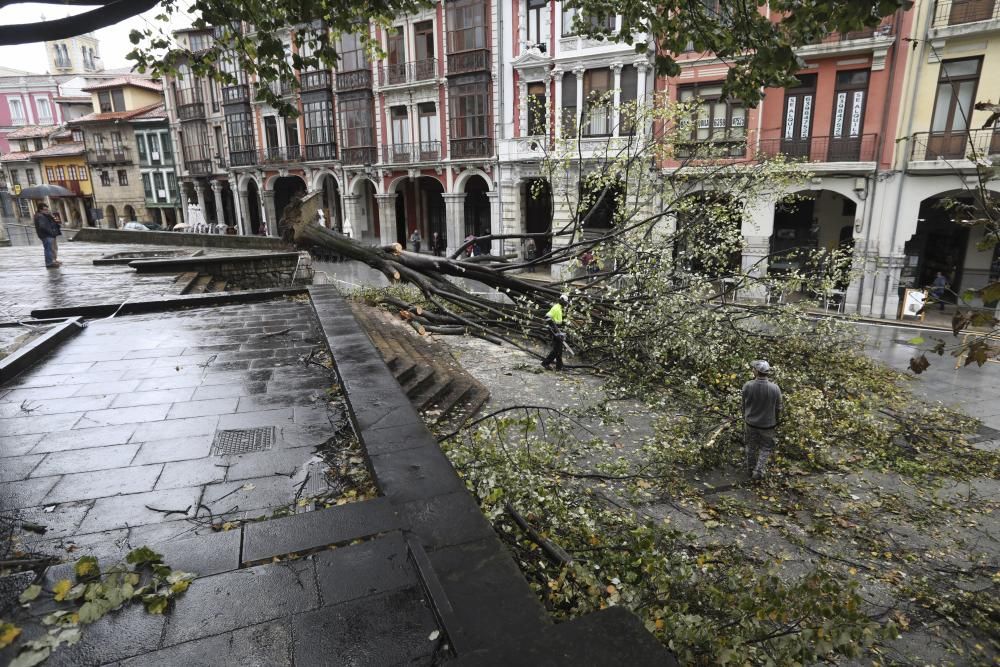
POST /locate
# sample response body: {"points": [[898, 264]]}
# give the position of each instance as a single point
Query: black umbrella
{"points": [[46, 190]]}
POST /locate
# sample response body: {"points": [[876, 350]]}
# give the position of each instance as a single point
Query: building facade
{"points": [[155, 155], [111, 147]]}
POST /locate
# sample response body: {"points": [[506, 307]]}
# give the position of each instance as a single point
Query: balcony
{"points": [[317, 80], [357, 80], [959, 12], [198, 167], [424, 151], [468, 61], [281, 88], [327, 151], [408, 73], [246, 158], [471, 148], [280, 154], [72, 186], [115, 156], [193, 111], [359, 155], [973, 145], [886, 29], [236, 94], [820, 149], [64, 63]]}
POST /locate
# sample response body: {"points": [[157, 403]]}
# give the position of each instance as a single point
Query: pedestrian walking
{"points": [[437, 244], [415, 239], [554, 321], [761, 414], [47, 230], [938, 288]]}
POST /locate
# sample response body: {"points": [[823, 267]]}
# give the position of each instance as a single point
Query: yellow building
{"points": [[955, 63], [64, 164]]}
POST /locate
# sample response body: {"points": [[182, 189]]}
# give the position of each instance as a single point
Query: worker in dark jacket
{"points": [[554, 321], [761, 413], [47, 230]]}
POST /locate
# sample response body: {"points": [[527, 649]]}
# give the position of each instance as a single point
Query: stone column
{"points": [[454, 216], [640, 84], [522, 97], [564, 201], [887, 286], [387, 217], [270, 216], [82, 205], [557, 76], [244, 214], [350, 208], [757, 227], [510, 215], [199, 191], [616, 68], [496, 223], [220, 212], [578, 73]]}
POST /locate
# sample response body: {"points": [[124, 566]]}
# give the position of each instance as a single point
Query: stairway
{"points": [[199, 283], [436, 384]]}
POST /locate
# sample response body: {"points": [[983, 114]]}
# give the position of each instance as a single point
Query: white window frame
{"points": [[48, 118], [17, 117]]}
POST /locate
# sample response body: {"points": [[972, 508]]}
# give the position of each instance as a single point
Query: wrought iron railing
{"points": [[885, 29], [468, 148], [411, 72], [958, 12], [358, 79], [236, 94], [281, 88], [820, 149], [108, 156], [316, 80], [246, 158], [958, 145], [198, 167], [282, 154], [191, 111], [359, 155], [327, 151], [468, 61], [421, 151]]}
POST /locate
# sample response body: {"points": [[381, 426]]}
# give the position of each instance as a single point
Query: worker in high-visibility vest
{"points": [[554, 320]]}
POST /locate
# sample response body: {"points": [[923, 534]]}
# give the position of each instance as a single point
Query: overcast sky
{"points": [[114, 39]]}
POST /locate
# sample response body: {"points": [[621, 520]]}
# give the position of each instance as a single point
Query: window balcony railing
{"points": [[469, 148], [356, 80], [199, 167], [885, 29], [327, 151], [957, 145], [113, 156], [958, 12], [404, 73], [422, 151], [820, 149], [242, 158], [236, 94], [64, 63], [282, 154], [316, 80], [281, 88], [193, 111], [468, 61], [359, 155], [72, 186], [220, 162]]}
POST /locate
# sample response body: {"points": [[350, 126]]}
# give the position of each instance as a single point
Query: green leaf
{"points": [[142, 556], [31, 656], [156, 604], [8, 633], [87, 568], [61, 588], [30, 593], [991, 292], [916, 340]]}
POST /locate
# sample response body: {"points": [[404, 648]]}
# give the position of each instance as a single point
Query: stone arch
{"points": [[355, 187], [317, 179], [111, 216], [460, 181], [128, 212]]}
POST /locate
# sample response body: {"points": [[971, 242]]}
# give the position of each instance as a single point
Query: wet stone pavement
{"points": [[28, 285]]}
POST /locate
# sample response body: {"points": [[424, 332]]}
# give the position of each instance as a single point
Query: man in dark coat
{"points": [[47, 230]]}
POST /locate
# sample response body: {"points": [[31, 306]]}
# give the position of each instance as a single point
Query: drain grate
{"points": [[243, 440]]}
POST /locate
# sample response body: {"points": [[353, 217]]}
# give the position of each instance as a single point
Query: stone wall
{"points": [[96, 235], [239, 271]]}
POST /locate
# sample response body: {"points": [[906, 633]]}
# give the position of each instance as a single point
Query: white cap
{"points": [[761, 366], [564, 298]]}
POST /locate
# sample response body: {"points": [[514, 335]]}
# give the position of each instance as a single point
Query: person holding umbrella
{"points": [[47, 230]]}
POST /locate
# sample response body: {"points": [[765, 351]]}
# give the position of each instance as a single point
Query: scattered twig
{"points": [[552, 550], [169, 512], [275, 333]]}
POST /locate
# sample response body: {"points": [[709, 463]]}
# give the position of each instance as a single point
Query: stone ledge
{"points": [[25, 357], [168, 303], [97, 235], [179, 264]]}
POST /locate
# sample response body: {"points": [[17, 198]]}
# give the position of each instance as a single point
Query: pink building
{"points": [[27, 99]]}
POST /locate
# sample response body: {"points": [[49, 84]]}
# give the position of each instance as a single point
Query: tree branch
{"points": [[110, 13]]}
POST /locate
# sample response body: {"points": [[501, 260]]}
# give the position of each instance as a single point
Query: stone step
{"points": [[420, 379], [184, 281], [430, 395], [199, 285], [217, 286], [403, 370]]}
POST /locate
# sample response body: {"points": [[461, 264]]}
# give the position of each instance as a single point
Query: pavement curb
{"points": [[168, 303], [27, 356]]}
